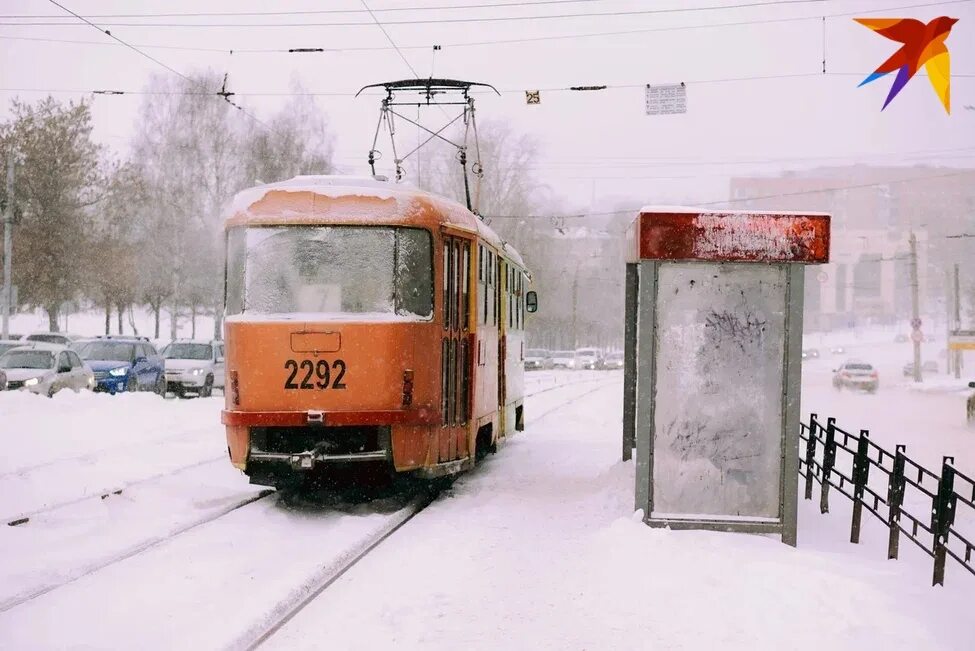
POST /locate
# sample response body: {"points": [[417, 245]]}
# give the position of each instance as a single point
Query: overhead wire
{"points": [[390, 39], [737, 200], [441, 21], [305, 12], [223, 93], [503, 91], [509, 41]]}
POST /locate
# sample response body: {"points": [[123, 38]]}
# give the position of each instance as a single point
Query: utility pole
{"points": [[8, 223], [948, 326], [915, 311], [956, 354], [575, 292]]}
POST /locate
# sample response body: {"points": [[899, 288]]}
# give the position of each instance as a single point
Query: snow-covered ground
{"points": [[91, 323], [536, 548], [539, 549]]}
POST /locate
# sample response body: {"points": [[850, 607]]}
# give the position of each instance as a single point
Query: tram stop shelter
{"points": [[712, 365]]}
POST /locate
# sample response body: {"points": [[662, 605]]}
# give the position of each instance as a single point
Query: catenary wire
{"points": [[440, 21], [779, 195], [529, 39], [222, 93]]}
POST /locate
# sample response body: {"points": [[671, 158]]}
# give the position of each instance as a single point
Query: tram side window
{"points": [[465, 283], [496, 317], [481, 286], [446, 286], [521, 301], [489, 305]]}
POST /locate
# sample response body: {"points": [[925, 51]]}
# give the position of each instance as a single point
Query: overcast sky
{"points": [[596, 144]]}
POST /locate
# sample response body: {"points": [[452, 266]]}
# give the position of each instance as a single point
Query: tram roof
{"points": [[355, 200]]}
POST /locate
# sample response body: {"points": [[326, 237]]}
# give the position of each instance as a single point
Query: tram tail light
{"points": [[234, 388], [407, 387]]}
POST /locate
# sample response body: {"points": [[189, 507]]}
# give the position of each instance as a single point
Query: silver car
{"points": [[45, 368], [194, 366]]}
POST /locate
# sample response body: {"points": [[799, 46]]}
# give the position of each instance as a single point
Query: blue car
{"points": [[124, 364]]}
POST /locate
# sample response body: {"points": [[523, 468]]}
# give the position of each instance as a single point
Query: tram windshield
{"points": [[330, 271]]}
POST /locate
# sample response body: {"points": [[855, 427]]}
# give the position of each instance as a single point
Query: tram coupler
{"points": [[316, 418]]}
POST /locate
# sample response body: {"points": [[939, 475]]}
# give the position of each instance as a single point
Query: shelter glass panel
{"points": [[718, 421]]}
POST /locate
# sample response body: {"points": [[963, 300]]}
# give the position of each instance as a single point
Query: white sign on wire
{"points": [[666, 99]]}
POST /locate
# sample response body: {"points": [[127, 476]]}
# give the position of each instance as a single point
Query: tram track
{"points": [[303, 592], [130, 551], [300, 598], [106, 491], [329, 573]]}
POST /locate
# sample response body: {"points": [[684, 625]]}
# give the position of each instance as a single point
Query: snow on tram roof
{"points": [[331, 185], [379, 187], [678, 210]]}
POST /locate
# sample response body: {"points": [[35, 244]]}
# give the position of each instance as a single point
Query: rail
{"points": [[893, 488]]}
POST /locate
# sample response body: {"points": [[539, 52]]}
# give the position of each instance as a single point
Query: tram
{"points": [[368, 321]]}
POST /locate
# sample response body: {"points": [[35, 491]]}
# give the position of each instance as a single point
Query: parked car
{"points": [[124, 364], [613, 361], [855, 374], [588, 358], [536, 358], [62, 338], [3, 380], [45, 368], [929, 366], [563, 359], [194, 366], [7, 344]]}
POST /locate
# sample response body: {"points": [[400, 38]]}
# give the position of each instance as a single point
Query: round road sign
{"points": [[917, 337], [916, 323]]}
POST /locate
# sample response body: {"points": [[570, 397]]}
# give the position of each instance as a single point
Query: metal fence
{"points": [[893, 488]]}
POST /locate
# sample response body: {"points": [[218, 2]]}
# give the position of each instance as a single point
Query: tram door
{"points": [[456, 359]]}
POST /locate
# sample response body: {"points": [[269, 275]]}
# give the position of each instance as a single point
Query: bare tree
{"points": [[297, 141], [188, 151], [195, 151]]}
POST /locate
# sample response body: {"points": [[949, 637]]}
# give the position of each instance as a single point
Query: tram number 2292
{"points": [[316, 374]]}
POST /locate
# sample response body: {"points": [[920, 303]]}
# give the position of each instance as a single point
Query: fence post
{"points": [[861, 474], [943, 517], [810, 455], [829, 458], [895, 497]]}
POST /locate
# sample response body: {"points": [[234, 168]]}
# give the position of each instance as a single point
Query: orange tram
{"points": [[368, 322]]}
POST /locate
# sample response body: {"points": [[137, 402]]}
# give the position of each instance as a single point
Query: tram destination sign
{"points": [[666, 99]]}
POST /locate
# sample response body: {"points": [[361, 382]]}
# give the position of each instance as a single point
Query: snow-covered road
{"points": [[536, 548], [157, 566]]}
